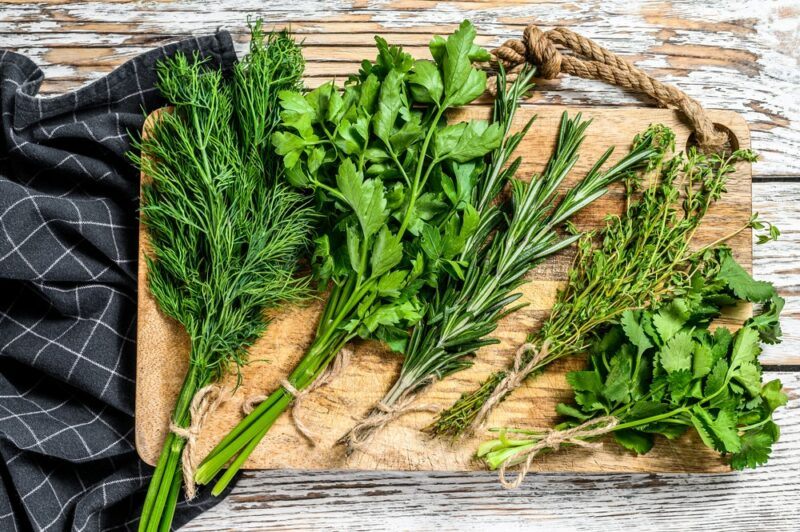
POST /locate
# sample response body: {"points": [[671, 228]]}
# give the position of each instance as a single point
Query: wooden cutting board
{"points": [[334, 409]]}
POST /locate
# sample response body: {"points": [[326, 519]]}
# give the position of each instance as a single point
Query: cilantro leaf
{"points": [[773, 394], [742, 283], [724, 428], [702, 359], [677, 353], [749, 376], [585, 381], [756, 446], [670, 319], [717, 379], [767, 321], [745, 348], [679, 384], [634, 331], [634, 440], [618, 385]]}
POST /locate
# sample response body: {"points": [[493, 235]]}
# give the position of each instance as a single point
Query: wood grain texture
{"points": [[162, 347], [739, 56]]}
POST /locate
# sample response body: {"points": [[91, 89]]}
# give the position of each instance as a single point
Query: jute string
{"points": [[591, 61], [331, 372], [554, 439], [512, 380], [380, 416], [204, 403]]}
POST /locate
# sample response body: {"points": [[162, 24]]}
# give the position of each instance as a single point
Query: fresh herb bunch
{"points": [[225, 234], [664, 372], [637, 260], [466, 308], [379, 160]]}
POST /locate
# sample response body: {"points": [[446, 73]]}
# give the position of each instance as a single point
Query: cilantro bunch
{"points": [[636, 261], [383, 166], [664, 372]]}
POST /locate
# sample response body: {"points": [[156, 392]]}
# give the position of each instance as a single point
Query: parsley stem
{"points": [[420, 165]]}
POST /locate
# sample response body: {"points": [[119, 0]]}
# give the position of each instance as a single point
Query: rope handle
{"points": [[591, 61]]}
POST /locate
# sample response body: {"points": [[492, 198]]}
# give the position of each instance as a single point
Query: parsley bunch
{"points": [[663, 372], [637, 260], [225, 234], [381, 162], [516, 236]]}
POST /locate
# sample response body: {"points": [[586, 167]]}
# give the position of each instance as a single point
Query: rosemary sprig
{"points": [[465, 310], [225, 235], [640, 258]]}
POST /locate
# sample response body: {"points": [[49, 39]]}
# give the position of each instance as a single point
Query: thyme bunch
{"points": [[225, 234]]}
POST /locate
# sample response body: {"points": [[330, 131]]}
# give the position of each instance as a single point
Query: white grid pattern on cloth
{"points": [[68, 239]]}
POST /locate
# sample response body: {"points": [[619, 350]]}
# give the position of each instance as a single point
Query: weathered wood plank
{"points": [[779, 262], [761, 499], [727, 56]]}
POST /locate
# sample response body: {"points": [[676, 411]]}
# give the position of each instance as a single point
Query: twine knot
{"points": [[513, 379], [338, 365], [381, 415], [591, 61], [554, 439], [204, 402]]}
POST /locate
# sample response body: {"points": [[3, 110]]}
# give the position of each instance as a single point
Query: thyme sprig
{"points": [[225, 234], [635, 261]]}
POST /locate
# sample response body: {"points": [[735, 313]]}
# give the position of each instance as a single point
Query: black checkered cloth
{"points": [[68, 248]]}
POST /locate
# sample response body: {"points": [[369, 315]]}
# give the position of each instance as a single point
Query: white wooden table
{"points": [[742, 56]]}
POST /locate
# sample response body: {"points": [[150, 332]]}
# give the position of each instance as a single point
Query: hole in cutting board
{"points": [[730, 146]]}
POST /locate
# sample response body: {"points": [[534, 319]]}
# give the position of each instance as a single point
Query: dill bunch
{"points": [[225, 233], [514, 237], [635, 261]]}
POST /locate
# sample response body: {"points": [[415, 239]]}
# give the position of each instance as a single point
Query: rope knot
{"points": [[542, 52], [382, 414], [298, 396], [587, 59], [205, 401], [535, 48]]}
